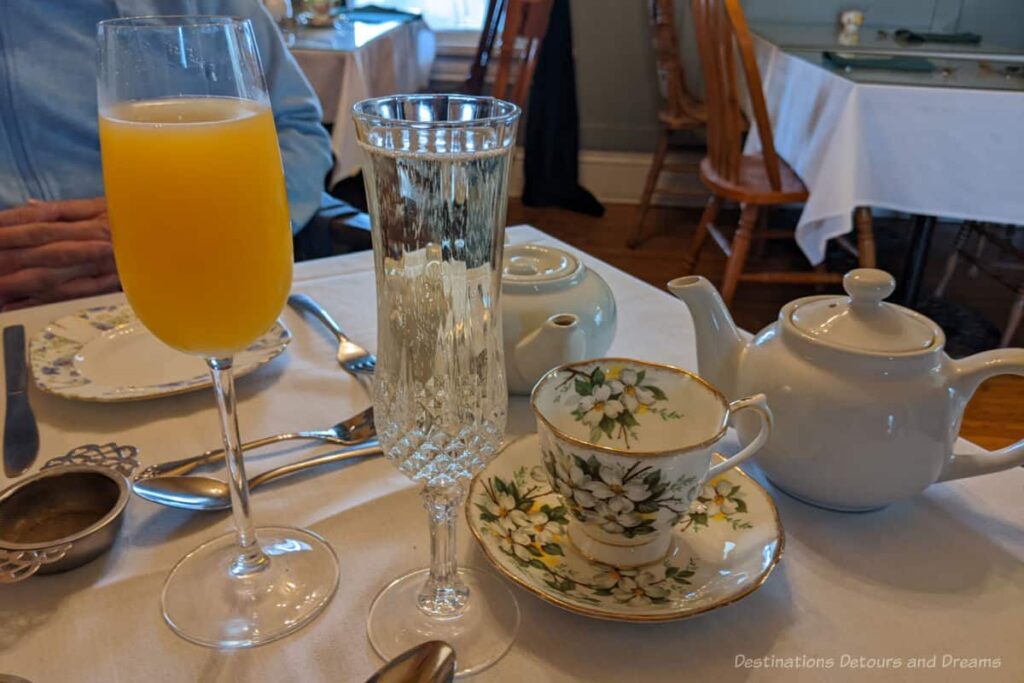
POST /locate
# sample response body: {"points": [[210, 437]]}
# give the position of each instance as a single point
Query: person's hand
{"points": [[51, 251]]}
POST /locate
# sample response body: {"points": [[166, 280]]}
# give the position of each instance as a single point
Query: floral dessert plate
{"points": [[723, 549], [104, 353]]}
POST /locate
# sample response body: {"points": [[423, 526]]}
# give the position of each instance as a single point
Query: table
{"points": [[940, 574], [359, 59], [819, 37], [918, 143]]}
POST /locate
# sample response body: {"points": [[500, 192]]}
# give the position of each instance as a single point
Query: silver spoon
{"points": [[431, 662], [207, 493]]}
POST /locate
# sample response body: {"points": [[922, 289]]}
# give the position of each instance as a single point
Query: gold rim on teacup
{"points": [[551, 374]]}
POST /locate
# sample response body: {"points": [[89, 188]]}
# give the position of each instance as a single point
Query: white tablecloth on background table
{"points": [[359, 60], [942, 574], [912, 146]]}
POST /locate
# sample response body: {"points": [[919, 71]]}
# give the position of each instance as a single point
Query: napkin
{"points": [[912, 64], [913, 37]]}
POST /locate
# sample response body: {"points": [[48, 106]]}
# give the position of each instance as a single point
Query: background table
{"points": [[918, 143], [818, 37], [940, 574], [361, 59]]}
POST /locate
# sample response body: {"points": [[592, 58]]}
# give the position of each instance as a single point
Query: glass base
{"points": [[207, 604], [480, 636]]}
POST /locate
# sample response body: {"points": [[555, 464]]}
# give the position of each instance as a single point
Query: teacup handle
{"points": [[759, 404]]}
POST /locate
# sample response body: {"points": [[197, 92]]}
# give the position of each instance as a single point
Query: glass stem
{"points": [[443, 595], [251, 558]]}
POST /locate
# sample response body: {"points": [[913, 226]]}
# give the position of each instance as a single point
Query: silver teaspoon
{"points": [[430, 662], [207, 493]]}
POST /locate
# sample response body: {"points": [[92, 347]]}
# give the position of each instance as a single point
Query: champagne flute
{"points": [[436, 176], [200, 225]]}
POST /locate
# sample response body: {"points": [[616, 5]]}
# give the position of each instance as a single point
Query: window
{"points": [[440, 15]]}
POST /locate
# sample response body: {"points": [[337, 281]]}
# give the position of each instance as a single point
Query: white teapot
{"points": [[867, 405], [555, 310]]}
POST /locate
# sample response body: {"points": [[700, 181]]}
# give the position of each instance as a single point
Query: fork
{"points": [[351, 356], [354, 430]]}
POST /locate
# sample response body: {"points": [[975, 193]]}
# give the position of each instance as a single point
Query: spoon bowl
{"points": [[430, 662]]}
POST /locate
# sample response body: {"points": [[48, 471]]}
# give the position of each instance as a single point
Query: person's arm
{"points": [[305, 145]]}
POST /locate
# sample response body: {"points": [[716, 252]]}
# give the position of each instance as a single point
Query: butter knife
{"points": [[21, 435]]}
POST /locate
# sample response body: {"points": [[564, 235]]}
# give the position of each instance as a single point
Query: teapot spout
{"points": [[719, 344], [560, 339]]}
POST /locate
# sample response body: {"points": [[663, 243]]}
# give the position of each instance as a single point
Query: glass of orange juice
{"points": [[199, 220]]}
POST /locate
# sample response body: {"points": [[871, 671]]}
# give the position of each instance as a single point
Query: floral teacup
{"points": [[628, 446]]}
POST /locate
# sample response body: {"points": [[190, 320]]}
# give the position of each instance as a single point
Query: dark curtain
{"points": [[552, 125]]}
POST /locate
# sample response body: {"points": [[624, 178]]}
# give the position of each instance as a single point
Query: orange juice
{"points": [[199, 218]]}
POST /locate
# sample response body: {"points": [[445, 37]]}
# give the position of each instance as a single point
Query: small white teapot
{"points": [[555, 311], [867, 406]]}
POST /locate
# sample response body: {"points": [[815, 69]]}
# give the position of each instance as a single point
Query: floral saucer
{"points": [[105, 354], [723, 549]]}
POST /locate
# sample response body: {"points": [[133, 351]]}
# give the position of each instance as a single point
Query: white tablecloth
{"points": [[911, 146], [942, 574], [359, 60]]}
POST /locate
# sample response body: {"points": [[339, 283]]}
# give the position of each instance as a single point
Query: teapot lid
{"points": [[538, 267], [862, 321]]}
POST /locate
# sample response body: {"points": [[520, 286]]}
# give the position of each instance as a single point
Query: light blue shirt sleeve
{"points": [[305, 145]]}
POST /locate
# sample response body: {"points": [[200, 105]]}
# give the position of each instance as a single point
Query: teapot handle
{"points": [[759, 404], [968, 374]]}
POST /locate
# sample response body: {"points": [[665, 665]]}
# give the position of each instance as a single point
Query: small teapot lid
{"points": [[863, 321], [538, 267]]}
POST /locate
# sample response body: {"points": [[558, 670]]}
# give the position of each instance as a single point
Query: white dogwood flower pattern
{"points": [[609, 399], [610, 487], [502, 508], [615, 516], [634, 396], [572, 482], [718, 501], [639, 589], [515, 541], [528, 524], [600, 405], [623, 499]]}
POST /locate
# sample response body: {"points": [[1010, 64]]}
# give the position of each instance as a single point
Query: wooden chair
{"points": [[754, 181], [678, 110], [485, 47], [525, 24]]}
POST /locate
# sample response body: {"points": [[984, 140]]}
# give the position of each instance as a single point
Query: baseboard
{"points": [[619, 177]]}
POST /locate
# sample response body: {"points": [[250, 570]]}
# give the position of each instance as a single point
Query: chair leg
{"points": [[652, 182], [762, 243], [953, 261], [822, 270], [699, 237], [1013, 322], [865, 236], [740, 247], [978, 253]]}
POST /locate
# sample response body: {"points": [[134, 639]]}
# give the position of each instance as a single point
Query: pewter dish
{"points": [[59, 519]]}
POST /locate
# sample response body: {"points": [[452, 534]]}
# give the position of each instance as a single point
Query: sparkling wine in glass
{"points": [[436, 176], [200, 225]]}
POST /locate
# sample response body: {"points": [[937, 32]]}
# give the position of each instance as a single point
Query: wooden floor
{"points": [[994, 418]]}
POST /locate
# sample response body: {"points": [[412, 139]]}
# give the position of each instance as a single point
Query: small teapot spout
{"points": [[719, 344], [560, 339]]}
